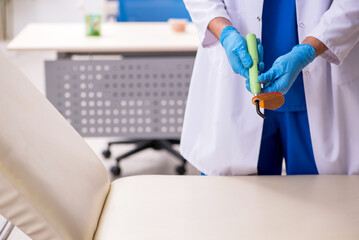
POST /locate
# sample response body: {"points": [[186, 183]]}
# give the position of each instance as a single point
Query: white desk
{"points": [[116, 37]]}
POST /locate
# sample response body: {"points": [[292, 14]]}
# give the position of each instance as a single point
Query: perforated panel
{"points": [[137, 97]]}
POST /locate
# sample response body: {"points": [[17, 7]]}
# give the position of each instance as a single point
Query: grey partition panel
{"points": [[140, 97]]}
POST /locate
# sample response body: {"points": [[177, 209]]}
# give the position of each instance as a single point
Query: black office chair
{"points": [[155, 11]]}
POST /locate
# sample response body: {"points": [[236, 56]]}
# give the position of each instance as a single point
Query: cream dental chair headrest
{"points": [[52, 185]]}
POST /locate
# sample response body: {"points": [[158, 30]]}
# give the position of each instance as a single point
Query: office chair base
{"points": [[157, 144]]}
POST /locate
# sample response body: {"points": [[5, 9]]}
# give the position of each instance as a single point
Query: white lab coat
{"points": [[222, 131]]}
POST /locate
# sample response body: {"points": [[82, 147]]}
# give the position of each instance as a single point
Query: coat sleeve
{"points": [[202, 12], [338, 29]]}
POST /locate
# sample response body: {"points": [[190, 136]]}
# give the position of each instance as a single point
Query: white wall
{"points": [[26, 11]]}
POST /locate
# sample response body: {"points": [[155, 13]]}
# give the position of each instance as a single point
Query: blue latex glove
{"points": [[285, 70], [235, 46]]}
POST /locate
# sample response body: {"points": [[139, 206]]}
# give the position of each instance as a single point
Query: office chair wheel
{"points": [[181, 170], [106, 153], [116, 170]]}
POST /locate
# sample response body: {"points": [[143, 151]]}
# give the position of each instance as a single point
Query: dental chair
{"points": [[46, 191]]}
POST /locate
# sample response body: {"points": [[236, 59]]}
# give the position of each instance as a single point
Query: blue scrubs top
{"points": [[279, 36], [285, 130]]}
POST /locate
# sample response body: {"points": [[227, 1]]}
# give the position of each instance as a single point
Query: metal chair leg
{"points": [[168, 147], [9, 230], [3, 226], [140, 146]]}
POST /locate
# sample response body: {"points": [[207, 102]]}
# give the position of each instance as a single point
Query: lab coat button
{"points": [[258, 19], [301, 25], [307, 73]]}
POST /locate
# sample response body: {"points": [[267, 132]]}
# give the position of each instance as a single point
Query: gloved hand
{"points": [[281, 76], [235, 46]]}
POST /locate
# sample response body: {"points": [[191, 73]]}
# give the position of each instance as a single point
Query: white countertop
{"points": [[116, 37]]}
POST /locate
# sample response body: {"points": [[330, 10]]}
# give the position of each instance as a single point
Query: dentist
{"points": [[310, 54]]}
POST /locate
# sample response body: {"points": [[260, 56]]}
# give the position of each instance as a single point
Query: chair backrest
{"points": [[151, 10], [52, 185]]}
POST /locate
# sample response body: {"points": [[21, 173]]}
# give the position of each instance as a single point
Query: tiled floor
{"points": [[146, 162]]}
